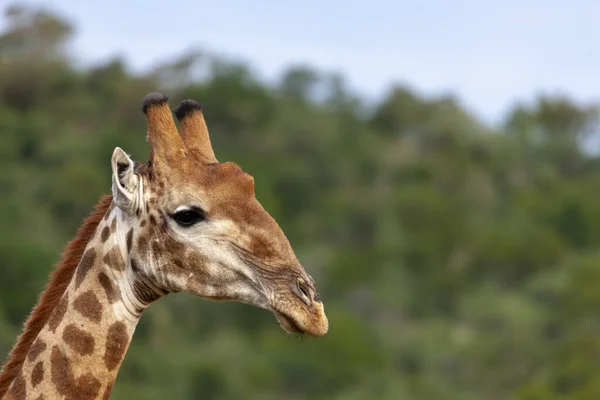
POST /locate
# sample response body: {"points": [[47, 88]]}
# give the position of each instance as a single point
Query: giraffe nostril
{"points": [[303, 289]]}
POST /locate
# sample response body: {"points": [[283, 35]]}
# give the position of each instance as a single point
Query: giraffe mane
{"points": [[56, 287]]}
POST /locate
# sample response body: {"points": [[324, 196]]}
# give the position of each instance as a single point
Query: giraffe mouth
{"points": [[287, 323]]}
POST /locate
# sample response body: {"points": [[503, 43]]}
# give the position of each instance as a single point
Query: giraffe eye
{"points": [[188, 217]]}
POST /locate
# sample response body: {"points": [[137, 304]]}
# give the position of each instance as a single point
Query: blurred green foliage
{"points": [[455, 261]]}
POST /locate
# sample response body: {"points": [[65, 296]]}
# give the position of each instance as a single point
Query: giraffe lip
{"points": [[288, 323]]}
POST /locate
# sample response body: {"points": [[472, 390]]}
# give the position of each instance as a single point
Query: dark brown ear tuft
{"points": [[186, 107], [153, 99]]}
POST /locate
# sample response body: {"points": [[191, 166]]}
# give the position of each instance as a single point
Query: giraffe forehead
{"points": [[209, 185], [226, 180]]}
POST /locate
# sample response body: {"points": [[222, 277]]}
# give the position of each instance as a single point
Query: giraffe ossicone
{"points": [[182, 221]]}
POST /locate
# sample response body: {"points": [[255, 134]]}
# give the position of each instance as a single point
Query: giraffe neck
{"points": [[79, 351]]}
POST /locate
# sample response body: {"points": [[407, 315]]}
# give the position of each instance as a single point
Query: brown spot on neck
{"points": [[36, 349], [112, 291], [116, 345], [87, 304], [37, 375], [59, 313], [58, 283], [87, 262], [60, 370], [79, 340], [114, 259], [86, 387], [105, 234]]}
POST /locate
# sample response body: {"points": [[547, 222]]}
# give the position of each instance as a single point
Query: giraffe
{"points": [[182, 221]]}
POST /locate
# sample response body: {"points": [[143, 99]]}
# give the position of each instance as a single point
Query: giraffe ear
{"points": [[124, 180]]}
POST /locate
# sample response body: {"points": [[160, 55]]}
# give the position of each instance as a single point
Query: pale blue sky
{"points": [[490, 54]]}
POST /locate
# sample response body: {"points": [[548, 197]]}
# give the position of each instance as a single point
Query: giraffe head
{"points": [[196, 225]]}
